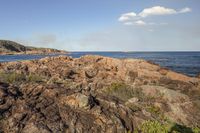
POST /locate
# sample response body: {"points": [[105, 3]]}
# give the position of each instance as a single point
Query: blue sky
{"points": [[98, 25]]}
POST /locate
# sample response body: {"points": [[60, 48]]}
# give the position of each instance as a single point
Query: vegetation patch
{"points": [[154, 126], [123, 91], [13, 77]]}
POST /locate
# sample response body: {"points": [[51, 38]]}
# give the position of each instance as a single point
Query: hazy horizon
{"points": [[115, 25]]}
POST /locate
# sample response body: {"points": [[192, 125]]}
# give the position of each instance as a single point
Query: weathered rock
{"points": [[93, 94], [165, 93]]}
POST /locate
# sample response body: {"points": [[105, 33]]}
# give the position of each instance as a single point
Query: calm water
{"points": [[183, 62]]}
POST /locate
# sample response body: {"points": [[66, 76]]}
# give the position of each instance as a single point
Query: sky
{"points": [[103, 25]]}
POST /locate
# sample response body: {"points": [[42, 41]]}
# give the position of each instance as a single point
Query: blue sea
{"points": [[183, 62]]}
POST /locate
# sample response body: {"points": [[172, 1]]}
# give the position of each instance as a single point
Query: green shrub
{"points": [[12, 77], [154, 110], [123, 91], [153, 127]]}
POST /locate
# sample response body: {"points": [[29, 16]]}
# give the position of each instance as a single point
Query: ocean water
{"points": [[183, 62]]}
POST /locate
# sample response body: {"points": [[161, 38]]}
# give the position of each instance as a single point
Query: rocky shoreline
{"points": [[13, 48], [34, 53], [96, 94]]}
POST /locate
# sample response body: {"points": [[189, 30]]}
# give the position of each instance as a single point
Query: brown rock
{"points": [[85, 95]]}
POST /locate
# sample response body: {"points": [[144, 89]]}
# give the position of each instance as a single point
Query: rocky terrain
{"points": [[94, 94], [10, 47]]}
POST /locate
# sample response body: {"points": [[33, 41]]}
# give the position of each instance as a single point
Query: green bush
{"points": [[123, 91], [153, 127], [12, 77]]}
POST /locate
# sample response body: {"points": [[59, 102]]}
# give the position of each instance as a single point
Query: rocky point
{"points": [[93, 94]]}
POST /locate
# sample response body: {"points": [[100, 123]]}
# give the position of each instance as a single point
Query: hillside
{"points": [[95, 94], [10, 47]]}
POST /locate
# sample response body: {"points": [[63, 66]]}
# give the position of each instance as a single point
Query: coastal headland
{"points": [[13, 48]]}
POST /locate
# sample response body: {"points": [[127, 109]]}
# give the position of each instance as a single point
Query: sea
{"points": [[183, 62]]}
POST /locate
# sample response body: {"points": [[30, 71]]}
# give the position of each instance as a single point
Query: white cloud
{"points": [[127, 16], [140, 23], [185, 10], [143, 23], [131, 17], [157, 10]]}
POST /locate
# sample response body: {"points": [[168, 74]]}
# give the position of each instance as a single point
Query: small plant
{"points": [[153, 127]]}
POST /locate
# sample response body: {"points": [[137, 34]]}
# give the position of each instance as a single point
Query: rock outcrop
{"points": [[94, 94], [10, 47]]}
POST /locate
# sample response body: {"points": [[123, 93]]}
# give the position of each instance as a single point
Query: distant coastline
{"points": [[13, 48]]}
